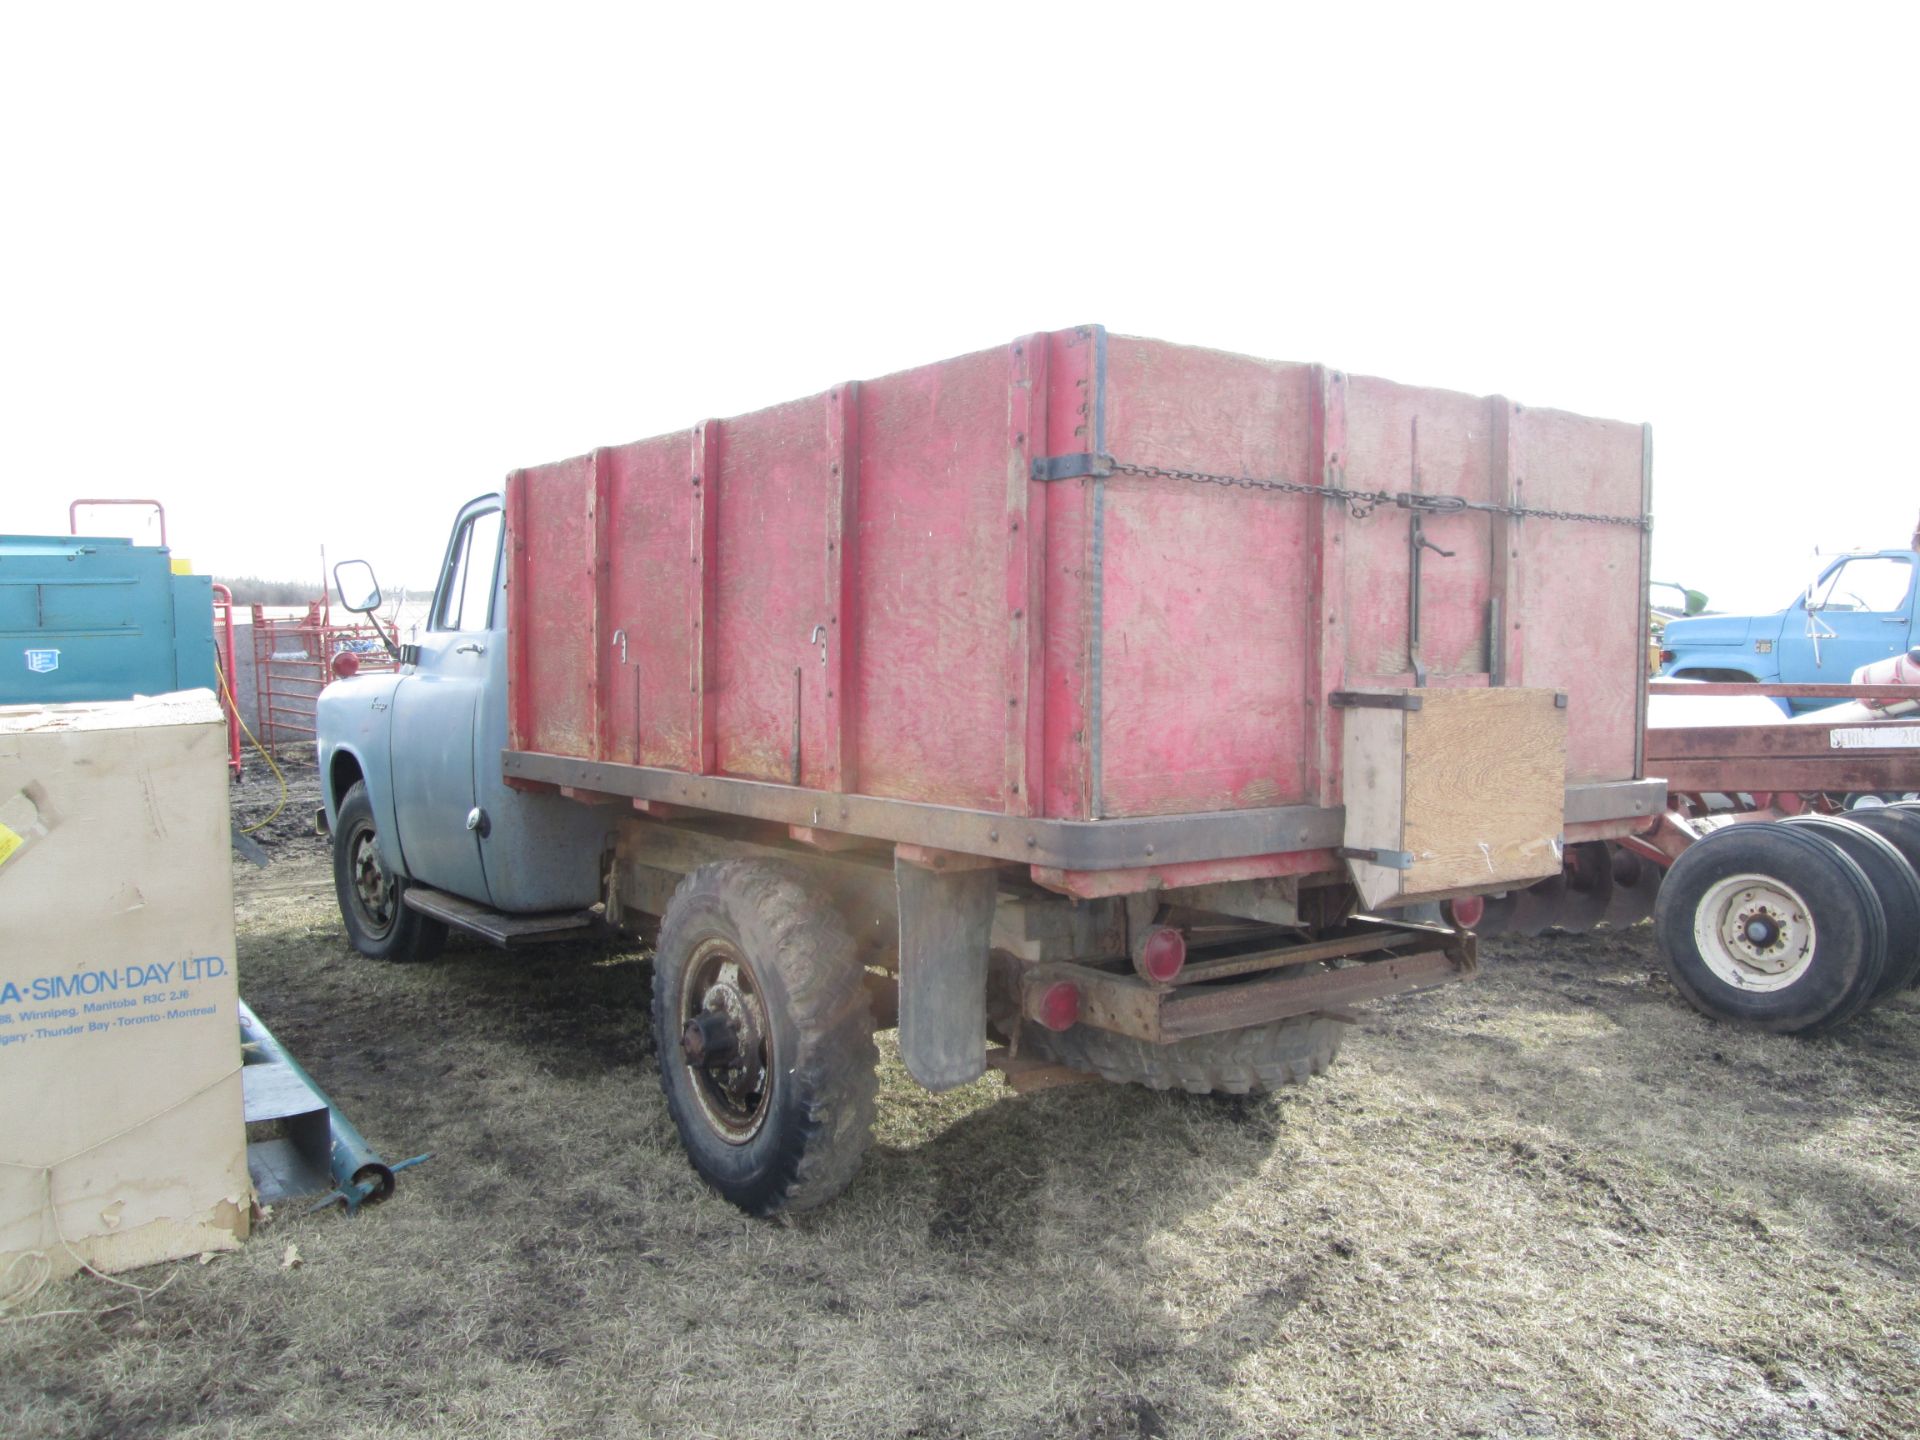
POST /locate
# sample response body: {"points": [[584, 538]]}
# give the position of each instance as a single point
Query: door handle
{"points": [[1893, 619], [470, 648]]}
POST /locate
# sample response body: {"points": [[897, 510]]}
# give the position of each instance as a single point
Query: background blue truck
{"points": [[1860, 610]]}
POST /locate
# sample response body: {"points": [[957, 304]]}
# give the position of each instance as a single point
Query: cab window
{"points": [[1876, 583], [466, 589]]}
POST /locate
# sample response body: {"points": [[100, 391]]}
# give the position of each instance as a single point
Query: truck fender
{"points": [[345, 764]]}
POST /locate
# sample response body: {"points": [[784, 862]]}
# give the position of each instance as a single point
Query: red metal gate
{"points": [[293, 660]]}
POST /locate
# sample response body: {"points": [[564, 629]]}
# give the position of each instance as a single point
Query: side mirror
{"points": [[359, 590]]}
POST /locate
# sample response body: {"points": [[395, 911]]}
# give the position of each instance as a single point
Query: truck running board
{"points": [[507, 931]]}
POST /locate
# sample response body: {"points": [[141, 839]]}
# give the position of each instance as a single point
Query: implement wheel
{"points": [[1894, 882], [1773, 925], [371, 906], [1900, 827], [765, 1036]]}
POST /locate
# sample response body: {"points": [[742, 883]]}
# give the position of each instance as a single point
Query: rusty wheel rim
{"points": [[725, 1041], [372, 888]]}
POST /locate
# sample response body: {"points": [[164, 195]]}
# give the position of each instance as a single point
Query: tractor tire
{"points": [[1773, 925], [1894, 881], [765, 1036], [1234, 1062], [371, 896]]}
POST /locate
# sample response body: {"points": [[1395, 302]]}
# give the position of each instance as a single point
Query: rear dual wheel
{"points": [[1893, 879], [1775, 925], [1899, 826], [765, 1036]]}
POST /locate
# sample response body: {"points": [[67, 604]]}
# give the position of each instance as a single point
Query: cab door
{"points": [[435, 709], [1858, 612]]}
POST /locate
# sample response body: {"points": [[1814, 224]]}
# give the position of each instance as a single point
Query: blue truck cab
{"points": [[410, 768], [1860, 609]]}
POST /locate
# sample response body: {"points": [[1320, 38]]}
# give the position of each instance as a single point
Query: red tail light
{"points": [[345, 665], [1467, 911], [1059, 1007], [1159, 954]]}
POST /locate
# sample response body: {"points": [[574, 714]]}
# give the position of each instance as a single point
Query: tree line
{"points": [[253, 590]]}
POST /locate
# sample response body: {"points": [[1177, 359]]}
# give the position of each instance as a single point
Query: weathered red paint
{"points": [[875, 571]]}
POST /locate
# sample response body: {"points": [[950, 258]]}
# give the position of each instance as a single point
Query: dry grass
{"points": [[1553, 1202]]}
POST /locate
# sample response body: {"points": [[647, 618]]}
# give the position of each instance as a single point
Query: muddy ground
{"points": [[1550, 1202]]}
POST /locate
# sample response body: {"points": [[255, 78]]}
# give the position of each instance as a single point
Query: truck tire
{"points": [[1894, 882], [1234, 1062], [377, 919], [765, 1036], [1772, 925], [1899, 827]]}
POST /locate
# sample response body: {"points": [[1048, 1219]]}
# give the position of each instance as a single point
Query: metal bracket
{"points": [[1391, 859], [1359, 700], [1069, 467], [1560, 701]]}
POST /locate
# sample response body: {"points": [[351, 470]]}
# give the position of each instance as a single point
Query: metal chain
{"points": [[1362, 503]]}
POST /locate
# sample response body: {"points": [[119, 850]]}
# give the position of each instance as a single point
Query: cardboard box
{"points": [[122, 1140]]}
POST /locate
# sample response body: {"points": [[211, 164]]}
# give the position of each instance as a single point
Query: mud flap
{"points": [[946, 928]]}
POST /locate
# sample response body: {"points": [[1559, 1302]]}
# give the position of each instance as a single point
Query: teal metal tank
{"points": [[99, 618]]}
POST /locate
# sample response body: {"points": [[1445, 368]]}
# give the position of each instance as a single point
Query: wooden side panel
{"points": [[1026, 554], [1581, 592], [1452, 459], [649, 719], [770, 594], [869, 583], [1067, 622], [554, 657], [931, 587], [1327, 528], [1207, 672]]}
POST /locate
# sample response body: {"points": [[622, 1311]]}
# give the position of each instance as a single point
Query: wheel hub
{"points": [[370, 883], [710, 1037], [1755, 932], [724, 1042]]}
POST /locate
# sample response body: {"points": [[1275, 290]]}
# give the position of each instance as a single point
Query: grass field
{"points": [[1550, 1202]]}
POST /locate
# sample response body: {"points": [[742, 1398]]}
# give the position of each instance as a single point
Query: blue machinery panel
{"points": [[99, 618]]}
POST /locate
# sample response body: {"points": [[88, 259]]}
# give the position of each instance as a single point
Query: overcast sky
{"points": [[314, 279]]}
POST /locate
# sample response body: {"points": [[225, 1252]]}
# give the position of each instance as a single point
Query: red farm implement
{"points": [[1781, 876]]}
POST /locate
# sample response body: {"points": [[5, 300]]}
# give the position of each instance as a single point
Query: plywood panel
{"points": [[1470, 787], [1485, 787]]}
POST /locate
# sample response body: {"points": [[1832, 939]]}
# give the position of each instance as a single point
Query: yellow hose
{"points": [[234, 708]]}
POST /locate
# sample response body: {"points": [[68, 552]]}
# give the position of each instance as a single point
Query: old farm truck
{"points": [[1087, 703]]}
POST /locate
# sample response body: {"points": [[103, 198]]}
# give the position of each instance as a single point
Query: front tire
{"points": [[765, 1036], [371, 895]]}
